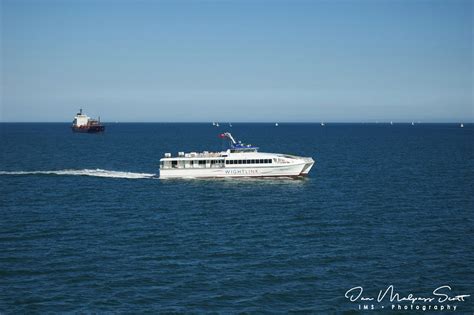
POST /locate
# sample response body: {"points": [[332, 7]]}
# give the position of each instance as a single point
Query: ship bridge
{"points": [[238, 146]]}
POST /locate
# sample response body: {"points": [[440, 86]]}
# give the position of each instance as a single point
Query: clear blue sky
{"points": [[237, 60]]}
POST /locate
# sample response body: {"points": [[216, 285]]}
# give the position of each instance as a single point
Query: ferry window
{"points": [[244, 161], [174, 163], [213, 162], [253, 161], [202, 162], [269, 161], [226, 162], [240, 162]]}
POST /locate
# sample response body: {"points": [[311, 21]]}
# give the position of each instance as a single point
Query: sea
{"points": [[87, 226]]}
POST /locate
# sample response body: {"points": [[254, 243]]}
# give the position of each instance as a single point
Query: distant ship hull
{"points": [[89, 129]]}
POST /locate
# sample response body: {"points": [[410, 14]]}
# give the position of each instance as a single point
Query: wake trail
{"points": [[84, 172]]}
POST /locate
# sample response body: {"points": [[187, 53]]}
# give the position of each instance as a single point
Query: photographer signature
{"points": [[441, 294]]}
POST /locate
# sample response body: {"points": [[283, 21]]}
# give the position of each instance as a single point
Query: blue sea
{"points": [[87, 226]]}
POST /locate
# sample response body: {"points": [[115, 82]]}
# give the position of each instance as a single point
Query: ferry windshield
{"points": [[243, 150]]}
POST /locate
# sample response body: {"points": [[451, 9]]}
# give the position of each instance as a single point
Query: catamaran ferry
{"points": [[240, 160]]}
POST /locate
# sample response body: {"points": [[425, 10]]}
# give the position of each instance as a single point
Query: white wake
{"points": [[85, 172]]}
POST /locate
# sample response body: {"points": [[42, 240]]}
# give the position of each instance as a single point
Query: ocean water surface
{"points": [[86, 225]]}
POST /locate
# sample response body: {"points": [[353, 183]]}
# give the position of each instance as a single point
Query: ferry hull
{"points": [[307, 167], [295, 170]]}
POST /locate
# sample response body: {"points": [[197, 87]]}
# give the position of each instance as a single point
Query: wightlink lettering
{"points": [[241, 172]]}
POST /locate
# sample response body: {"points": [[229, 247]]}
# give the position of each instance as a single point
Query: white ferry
{"points": [[240, 160]]}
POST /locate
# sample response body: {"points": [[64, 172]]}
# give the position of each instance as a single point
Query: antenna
{"points": [[228, 135]]}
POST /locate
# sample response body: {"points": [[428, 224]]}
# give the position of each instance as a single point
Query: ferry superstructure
{"points": [[240, 160]]}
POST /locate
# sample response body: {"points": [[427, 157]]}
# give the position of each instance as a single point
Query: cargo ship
{"points": [[83, 123]]}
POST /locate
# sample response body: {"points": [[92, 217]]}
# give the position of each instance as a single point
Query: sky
{"points": [[237, 61]]}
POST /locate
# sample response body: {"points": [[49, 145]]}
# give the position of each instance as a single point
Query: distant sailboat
{"points": [[230, 125], [412, 123], [391, 123], [276, 124], [462, 125], [213, 123], [217, 124], [322, 124]]}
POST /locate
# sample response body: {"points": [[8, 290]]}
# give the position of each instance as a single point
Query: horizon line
{"points": [[248, 122]]}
